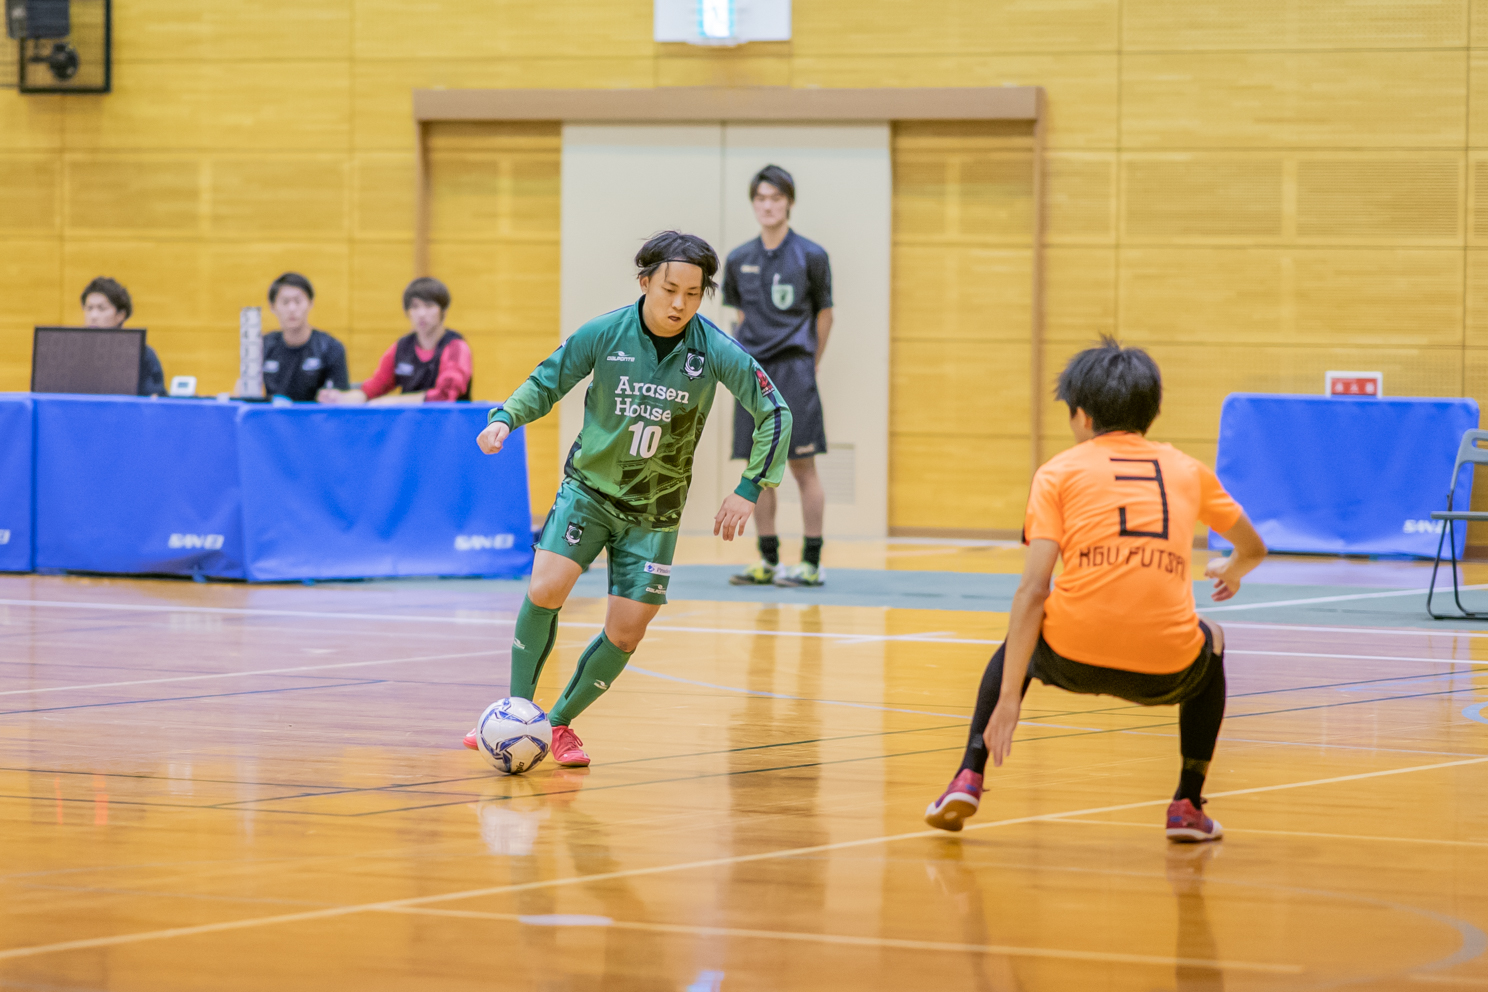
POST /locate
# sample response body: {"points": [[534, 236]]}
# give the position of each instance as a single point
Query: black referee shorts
{"points": [[794, 374]]}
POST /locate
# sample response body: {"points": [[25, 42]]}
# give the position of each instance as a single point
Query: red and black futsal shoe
{"points": [[1187, 825], [470, 739], [959, 802], [568, 750]]}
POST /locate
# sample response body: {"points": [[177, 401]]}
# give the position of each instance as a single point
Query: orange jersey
{"points": [[1122, 509]]}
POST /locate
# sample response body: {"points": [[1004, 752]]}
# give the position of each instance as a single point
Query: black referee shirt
{"points": [[780, 292], [300, 373]]}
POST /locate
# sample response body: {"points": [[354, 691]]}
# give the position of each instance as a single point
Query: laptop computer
{"points": [[87, 360]]}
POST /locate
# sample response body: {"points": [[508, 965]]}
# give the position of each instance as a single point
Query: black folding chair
{"points": [[1468, 453]]}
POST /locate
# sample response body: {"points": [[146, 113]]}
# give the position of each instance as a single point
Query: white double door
{"points": [[623, 183]]}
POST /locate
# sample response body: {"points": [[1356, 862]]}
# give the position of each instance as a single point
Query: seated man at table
{"points": [[428, 364], [299, 361], [107, 304]]}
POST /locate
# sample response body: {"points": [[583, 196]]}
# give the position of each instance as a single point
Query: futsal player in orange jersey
{"points": [[1120, 619]]}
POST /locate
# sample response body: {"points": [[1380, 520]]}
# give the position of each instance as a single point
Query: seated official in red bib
{"points": [[430, 363]]}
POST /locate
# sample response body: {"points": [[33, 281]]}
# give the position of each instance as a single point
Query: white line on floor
{"points": [[1357, 657], [1376, 631], [553, 883], [1326, 599], [1297, 833], [893, 943], [261, 671], [490, 621]]}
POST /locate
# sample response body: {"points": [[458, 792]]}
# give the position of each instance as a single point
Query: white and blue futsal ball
{"points": [[513, 735]]}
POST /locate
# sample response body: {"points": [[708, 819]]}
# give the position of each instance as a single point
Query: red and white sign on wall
{"points": [[1354, 383]]}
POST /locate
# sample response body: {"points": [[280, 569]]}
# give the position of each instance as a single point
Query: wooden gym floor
{"points": [[232, 787]]}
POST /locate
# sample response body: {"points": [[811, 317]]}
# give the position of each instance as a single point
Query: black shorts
{"points": [[794, 374], [1052, 668]]}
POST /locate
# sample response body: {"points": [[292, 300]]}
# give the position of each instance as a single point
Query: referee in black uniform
{"points": [[781, 285]]}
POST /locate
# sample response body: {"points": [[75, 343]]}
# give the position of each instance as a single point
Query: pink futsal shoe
{"points": [[470, 739], [1187, 825], [959, 802], [568, 750]]}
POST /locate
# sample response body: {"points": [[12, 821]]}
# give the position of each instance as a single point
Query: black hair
{"points": [[116, 294], [1121, 388], [777, 177], [428, 289], [674, 246], [290, 279]]}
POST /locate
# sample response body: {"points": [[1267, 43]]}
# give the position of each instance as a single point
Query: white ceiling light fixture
{"points": [[721, 22]]}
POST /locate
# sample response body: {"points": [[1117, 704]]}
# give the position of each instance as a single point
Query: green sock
{"points": [[532, 642], [599, 666]]}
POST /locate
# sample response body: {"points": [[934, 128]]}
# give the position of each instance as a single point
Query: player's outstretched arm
{"points": [[1024, 623], [742, 376], [1249, 552], [541, 391]]}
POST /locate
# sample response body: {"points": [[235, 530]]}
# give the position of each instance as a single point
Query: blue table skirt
{"points": [[250, 491], [1344, 476], [17, 434]]}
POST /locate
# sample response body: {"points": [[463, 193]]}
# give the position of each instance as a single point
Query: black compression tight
{"points": [[1199, 718]]}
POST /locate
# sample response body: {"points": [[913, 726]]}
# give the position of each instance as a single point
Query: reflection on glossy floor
{"points": [[225, 787]]}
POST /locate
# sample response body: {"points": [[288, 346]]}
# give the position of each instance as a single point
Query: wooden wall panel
{"points": [[1358, 99], [134, 194], [494, 223], [382, 194], [300, 196], [1170, 25], [1080, 294], [444, 30], [1232, 198], [30, 194], [30, 294], [1279, 295], [855, 28], [974, 484]]}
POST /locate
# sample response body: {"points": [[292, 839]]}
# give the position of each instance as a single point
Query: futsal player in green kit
{"points": [[656, 366]]}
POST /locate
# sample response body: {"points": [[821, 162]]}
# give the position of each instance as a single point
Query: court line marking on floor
{"points": [[1295, 833], [553, 883], [1404, 631], [964, 717], [892, 943], [261, 671], [1327, 599], [1356, 657], [850, 637]]}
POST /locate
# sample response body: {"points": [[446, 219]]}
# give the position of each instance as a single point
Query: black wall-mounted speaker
{"points": [[27, 19]]}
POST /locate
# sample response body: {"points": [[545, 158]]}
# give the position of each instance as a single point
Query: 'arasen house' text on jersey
{"points": [[643, 417]]}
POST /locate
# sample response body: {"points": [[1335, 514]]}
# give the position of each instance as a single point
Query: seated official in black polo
{"points": [[107, 304], [430, 363], [299, 361]]}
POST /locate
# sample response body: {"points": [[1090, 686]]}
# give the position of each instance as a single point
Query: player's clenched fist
{"points": [[493, 437]]}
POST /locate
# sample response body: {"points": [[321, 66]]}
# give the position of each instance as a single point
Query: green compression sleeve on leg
{"points": [[532, 642], [599, 666]]}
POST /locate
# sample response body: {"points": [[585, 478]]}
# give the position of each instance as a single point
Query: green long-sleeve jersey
{"points": [[643, 418]]}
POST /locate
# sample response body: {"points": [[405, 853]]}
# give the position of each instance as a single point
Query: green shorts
{"points": [[579, 525]]}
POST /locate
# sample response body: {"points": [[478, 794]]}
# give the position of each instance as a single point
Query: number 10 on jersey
{"points": [[646, 441]]}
